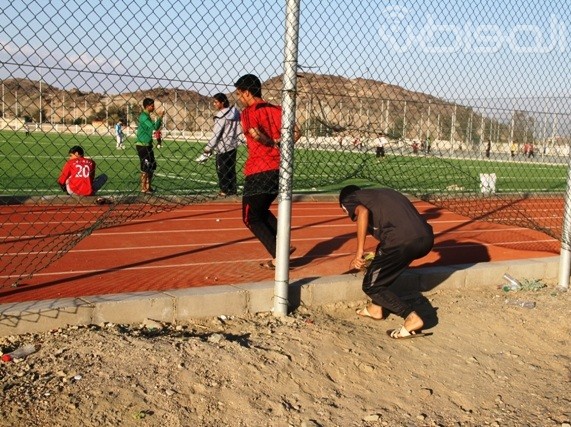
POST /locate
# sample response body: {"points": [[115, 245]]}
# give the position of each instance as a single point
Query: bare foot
{"points": [[373, 311], [413, 322]]}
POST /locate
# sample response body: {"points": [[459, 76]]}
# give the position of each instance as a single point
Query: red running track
{"points": [[207, 245]]}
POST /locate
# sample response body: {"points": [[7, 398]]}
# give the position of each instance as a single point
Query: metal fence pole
{"points": [[286, 166], [565, 257]]}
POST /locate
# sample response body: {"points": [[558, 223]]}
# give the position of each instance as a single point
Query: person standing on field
{"points": [[513, 149], [224, 143], [158, 135], [381, 141], [144, 145], [119, 136]]}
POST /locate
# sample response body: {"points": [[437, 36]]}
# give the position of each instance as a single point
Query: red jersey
{"points": [[80, 172], [268, 119]]}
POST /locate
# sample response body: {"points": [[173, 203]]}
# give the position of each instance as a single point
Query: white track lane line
{"points": [[207, 246]]}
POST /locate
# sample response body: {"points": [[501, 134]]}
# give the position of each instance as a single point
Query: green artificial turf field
{"points": [[30, 165]]}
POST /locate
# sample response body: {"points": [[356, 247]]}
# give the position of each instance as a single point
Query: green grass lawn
{"points": [[30, 165]]}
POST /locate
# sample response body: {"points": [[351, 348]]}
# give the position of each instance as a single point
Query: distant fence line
{"points": [[424, 117], [548, 151]]}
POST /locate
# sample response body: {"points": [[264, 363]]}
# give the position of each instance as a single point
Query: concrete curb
{"points": [[135, 197], [178, 306]]}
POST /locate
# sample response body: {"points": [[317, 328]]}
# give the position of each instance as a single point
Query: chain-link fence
{"points": [[460, 104]]}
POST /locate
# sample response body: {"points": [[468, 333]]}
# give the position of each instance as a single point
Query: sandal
{"points": [[403, 333], [364, 312]]}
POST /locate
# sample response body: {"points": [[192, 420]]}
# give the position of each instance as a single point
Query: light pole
{"points": [[185, 118], [404, 122], [175, 110], [41, 106], [41, 95]]}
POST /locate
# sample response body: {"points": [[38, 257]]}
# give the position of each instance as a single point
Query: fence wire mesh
{"points": [[461, 104]]}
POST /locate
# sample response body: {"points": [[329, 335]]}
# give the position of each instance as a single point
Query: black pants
{"points": [[226, 170], [260, 191], [386, 267], [146, 158]]}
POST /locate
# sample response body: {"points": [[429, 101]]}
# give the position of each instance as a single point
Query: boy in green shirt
{"points": [[144, 144]]}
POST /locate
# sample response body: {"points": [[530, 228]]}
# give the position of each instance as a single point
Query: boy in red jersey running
{"points": [[78, 175], [261, 125]]}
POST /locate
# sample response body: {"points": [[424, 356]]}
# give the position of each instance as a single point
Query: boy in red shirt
{"points": [[159, 137], [261, 125], [78, 175]]}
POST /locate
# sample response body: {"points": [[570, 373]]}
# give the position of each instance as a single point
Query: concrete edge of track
{"points": [[138, 198], [181, 305]]}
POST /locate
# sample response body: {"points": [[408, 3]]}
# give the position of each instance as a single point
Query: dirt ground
{"points": [[487, 362]]}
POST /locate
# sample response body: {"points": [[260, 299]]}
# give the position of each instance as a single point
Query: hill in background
{"points": [[326, 104]]}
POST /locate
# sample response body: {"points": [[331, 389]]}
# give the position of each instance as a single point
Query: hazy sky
{"points": [[462, 50]]}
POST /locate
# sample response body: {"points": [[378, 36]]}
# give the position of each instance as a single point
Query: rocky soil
{"points": [[489, 361]]}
